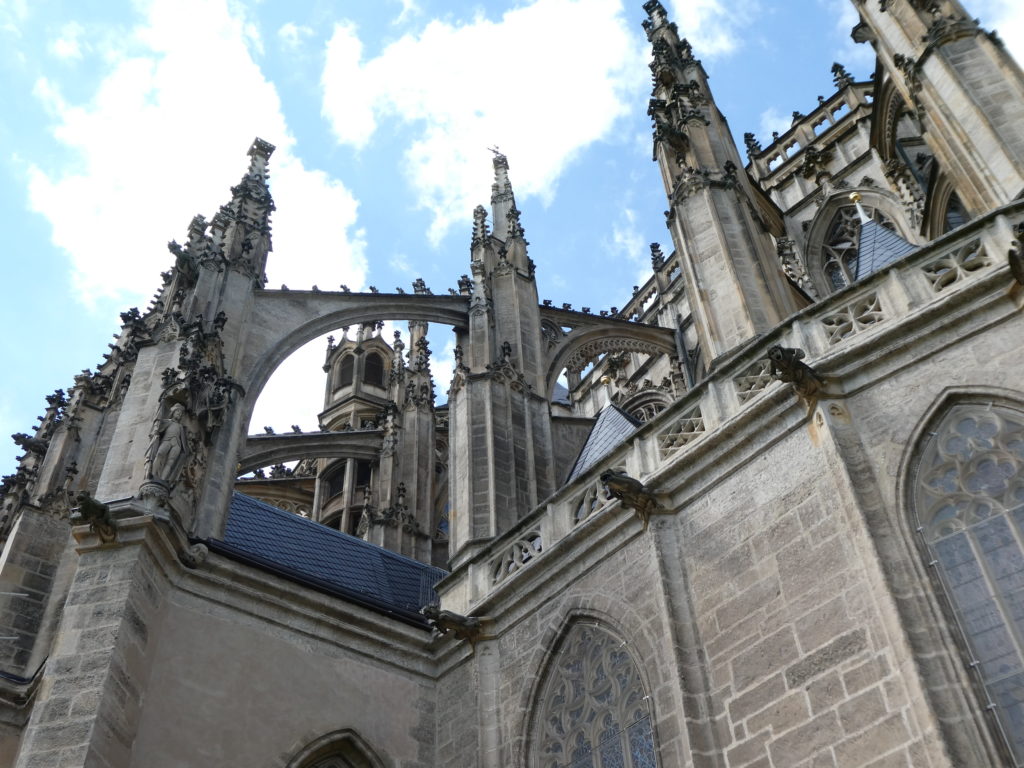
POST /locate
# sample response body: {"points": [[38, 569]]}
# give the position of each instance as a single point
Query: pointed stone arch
{"points": [[582, 344], [968, 446], [591, 698], [282, 321], [343, 748], [279, 323], [824, 220]]}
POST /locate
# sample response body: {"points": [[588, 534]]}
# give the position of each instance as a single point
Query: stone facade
{"points": [[806, 552]]}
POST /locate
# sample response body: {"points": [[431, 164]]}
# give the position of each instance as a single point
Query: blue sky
{"points": [[123, 119]]}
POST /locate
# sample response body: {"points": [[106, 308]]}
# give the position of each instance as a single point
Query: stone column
{"points": [[87, 706]]}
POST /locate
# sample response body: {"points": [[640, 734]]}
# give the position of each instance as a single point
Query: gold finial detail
{"points": [[855, 197]]}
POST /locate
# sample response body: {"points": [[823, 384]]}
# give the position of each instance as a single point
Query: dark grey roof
{"points": [[611, 429], [878, 248], [327, 560], [560, 394]]}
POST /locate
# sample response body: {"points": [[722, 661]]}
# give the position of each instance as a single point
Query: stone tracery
{"points": [[593, 709], [969, 502]]}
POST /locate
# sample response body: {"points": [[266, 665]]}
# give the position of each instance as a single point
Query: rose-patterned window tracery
{"points": [[969, 502], [593, 710], [842, 243]]}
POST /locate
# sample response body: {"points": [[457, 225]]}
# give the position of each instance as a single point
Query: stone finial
{"points": [[261, 148], [657, 257], [753, 145], [480, 229], [840, 76], [515, 228], [501, 185]]}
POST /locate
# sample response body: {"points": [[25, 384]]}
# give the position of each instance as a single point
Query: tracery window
{"points": [[593, 712], [969, 503], [842, 240]]}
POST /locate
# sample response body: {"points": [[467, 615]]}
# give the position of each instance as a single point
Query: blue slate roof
{"points": [[327, 560], [878, 248], [611, 429]]}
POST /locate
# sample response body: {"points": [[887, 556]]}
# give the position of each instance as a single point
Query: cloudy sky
{"points": [[123, 119]]}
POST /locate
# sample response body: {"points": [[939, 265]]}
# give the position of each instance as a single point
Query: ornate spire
{"points": [[515, 228], [502, 199], [656, 17], [480, 229], [242, 227]]}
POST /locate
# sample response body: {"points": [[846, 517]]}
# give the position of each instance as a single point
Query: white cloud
{"points": [[295, 393], [12, 15], [858, 58], [542, 109], [400, 263], [292, 35], [69, 44], [1007, 18], [163, 138], [628, 244], [160, 141], [713, 27], [773, 120], [410, 8]]}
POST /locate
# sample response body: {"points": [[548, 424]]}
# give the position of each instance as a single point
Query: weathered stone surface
{"points": [[836, 652]]}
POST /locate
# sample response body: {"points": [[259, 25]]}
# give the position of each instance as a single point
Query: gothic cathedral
{"points": [[768, 513]]}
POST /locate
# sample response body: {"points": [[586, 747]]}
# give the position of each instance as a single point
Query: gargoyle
{"points": [[36, 445], [194, 555], [97, 515], [631, 492], [787, 365], [1016, 256], [463, 627]]}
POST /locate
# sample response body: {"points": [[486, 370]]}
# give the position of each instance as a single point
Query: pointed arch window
{"points": [[373, 370], [345, 370], [593, 712], [340, 749], [842, 242], [968, 499]]}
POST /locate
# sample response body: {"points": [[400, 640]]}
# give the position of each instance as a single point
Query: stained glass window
{"points": [[969, 501], [593, 710]]}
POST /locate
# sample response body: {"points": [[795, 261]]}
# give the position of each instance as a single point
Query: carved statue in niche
{"points": [[168, 447]]}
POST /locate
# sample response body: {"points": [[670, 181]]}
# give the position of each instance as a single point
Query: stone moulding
{"points": [[702, 421]]}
